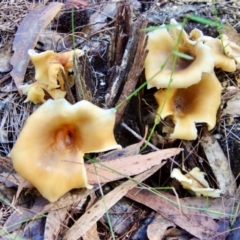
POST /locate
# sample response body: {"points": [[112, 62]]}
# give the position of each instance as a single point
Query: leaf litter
{"points": [[61, 210]]}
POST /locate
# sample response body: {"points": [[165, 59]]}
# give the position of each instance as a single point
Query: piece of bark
{"points": [[121, 70], [83, 79], [136, 70]]}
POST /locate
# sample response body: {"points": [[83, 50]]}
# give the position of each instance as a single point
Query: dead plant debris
{"points": [[133, 196]]}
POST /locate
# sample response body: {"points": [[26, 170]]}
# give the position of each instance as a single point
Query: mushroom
{"points": [[187, 106], [49, 69], [195, 182], [220, 59], [35, 92], [232, 50], [160, 66], [50, 148]]}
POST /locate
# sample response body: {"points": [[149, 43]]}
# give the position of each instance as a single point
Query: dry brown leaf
{"points": [[97, 210], [13, 179], [233, 108], [89, 218], [54, 223], [92, 233], [27, 36], [42, 206], [127, 166], [219, 164], [232, 34], [157, 227], [98, 19], [193, 221]]}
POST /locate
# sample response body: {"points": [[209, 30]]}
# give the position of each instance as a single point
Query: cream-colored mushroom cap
{"points": [[187, 106], [232, 50], [49, 70], [47, 67], [195, 182], [34, 93], [159, 64], [220, 59], [49, 150]]}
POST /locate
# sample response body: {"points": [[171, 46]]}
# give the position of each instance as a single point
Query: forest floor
{"points": [[141, 200]]}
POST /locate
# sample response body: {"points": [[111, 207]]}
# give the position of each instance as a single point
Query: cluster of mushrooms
{"points": [[189, 89], [50, 148], [190, 93]]}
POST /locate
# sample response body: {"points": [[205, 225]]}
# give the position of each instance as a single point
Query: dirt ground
{"points": [[152, 205]]}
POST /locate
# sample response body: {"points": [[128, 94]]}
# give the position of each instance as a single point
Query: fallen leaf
{"points": [[233, 106], [54, 223], [27, 36], [156, 229], [98, 19], [218, 163], [232, 34], [127, 166], [92, 233], [42, 206], [88, 219], [193, 221]]}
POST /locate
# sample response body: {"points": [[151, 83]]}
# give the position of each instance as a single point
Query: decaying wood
{"points": [[122, 32], [83, 80], [136, 69], [121, 70]]}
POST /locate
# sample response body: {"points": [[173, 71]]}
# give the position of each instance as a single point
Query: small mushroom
{"points": [[49, 67], [160, 66], [232, 50], [50, 148], [195, 182], [187, 106], [220, 59], [35, 92]]}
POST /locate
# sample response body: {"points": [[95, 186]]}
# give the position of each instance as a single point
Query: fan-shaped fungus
{"points": [[187, 106], [160, 64], [49, 150]]}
